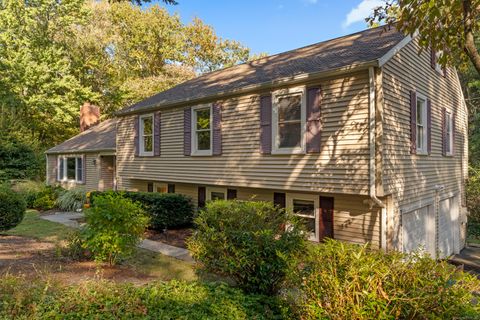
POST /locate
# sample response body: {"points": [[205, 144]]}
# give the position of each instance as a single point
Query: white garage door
{"points": [[448, 227], [419, 230]]}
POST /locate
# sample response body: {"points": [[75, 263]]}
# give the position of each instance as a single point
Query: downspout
{"points": [[372, 163]]}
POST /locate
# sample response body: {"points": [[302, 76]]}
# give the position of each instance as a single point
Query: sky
{"points": [[274, 26]]}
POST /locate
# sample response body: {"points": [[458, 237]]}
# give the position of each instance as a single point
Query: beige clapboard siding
{"points": [[354, 221], [106, 174], [341, 167], [413, 178]]}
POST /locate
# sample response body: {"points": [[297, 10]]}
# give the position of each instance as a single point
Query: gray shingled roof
{"points": [[101, 137], [362, 47]]}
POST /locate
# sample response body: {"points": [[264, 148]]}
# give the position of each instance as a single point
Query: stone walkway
{"points": [[69, 219], [469, 257]]}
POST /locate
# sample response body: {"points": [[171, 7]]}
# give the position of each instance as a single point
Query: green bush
{"points": [[19, 160], [346, 281], [46, 199], [72, 200], [29, 190], [22, 299], [166, 210], [473, 194], [12, 208], [114, 226], [248, 242]]}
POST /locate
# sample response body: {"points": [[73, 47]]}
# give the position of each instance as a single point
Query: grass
{"points": [[33, 226]]}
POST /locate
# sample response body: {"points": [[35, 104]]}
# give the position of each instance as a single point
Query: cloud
{"points": [[362, 11]]}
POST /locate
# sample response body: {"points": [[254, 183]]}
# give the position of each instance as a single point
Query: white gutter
{"points": [[372, 165]]}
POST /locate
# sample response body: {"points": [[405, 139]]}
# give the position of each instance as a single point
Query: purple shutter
{"points": [[453, 133], [413, 122], [217, 129], [136, 135], [202, 196], [429, 126], [84, 169], [433, 59], [444, 131], [314, 125], [187, 131], [231, 194], [171, 188], [279, 199], [266, 124], [156, 133]]}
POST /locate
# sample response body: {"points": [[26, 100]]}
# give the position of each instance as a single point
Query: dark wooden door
{"points": [[326, 218]]}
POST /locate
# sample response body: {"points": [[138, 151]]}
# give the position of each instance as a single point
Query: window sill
{"points": [[150, 154], [201, 154], [449, 155], [422, 153], [288, 151]]}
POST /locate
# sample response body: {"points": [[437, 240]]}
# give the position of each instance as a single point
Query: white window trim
{"points": [[450, 119], [438, 68], [65, 178], [309, 197], [215, 189], [424, 150], [195, 151], [141, 135], [275, 137]]}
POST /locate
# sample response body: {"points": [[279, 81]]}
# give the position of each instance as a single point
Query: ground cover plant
{"points": [[71, 200]]}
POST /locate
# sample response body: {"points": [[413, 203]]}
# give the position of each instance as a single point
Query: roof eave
{"points": [[81, 151], [257, 87]]}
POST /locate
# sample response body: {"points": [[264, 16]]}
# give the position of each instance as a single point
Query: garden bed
{"points": [[176, 238]]}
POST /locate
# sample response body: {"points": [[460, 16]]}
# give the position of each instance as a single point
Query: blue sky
{"points": [[274, 26]]}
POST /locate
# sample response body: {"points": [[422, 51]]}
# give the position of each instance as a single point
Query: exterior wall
{"points": [[413, 179], [107, 173], [92, 172], [354, 221], [340, 167]]}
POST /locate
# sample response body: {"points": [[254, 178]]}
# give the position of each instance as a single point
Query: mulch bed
{"points": [[174, 238]]}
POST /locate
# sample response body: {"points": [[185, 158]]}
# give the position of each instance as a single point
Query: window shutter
{"points": [[444, 131], [433, 59], [314, 125], [202, 196], [279, 199], [187, 131], [150, 187], [454, 115], [266, 124], [429, 126], [136, 135], [171, 188], [217, 129], [156, 133], [84, 169], [57, 168], [413, 122], [231, 194]]}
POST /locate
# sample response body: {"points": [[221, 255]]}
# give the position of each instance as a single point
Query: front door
{"points": [[326, 218]]}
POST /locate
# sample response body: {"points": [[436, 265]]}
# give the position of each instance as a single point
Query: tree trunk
{"points": [[470, 47]]}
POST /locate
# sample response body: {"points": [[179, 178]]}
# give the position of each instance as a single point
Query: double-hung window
{"points": [[70, 169], [448, 133], [422, 130], [202, 130], [146, 135], [306, 207], [289, 121]]}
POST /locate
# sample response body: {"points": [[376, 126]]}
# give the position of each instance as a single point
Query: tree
{"points": [[447, 26], [140, 2]]}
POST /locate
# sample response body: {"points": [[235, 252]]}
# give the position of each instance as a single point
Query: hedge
{"points": [[22, 299], [166, 210], [12, 208]]}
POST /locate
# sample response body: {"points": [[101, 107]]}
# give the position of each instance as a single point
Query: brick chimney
{"points": [[89, 116]]}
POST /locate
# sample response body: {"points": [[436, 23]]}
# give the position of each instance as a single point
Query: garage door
{"points": [[419, 230], [448, 227]]}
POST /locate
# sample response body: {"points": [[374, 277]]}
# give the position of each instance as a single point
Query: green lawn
{"points": [[143, 261]]}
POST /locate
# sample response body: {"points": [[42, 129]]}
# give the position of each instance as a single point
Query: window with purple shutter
{"points": [[453, 133], [231, 194], [156, 133], [314, 125], [280, 199], [413, 122], [136, 135], [444, 131], [187, 131], [429, 126], [266, 124], [217, 129], [202, 196]]}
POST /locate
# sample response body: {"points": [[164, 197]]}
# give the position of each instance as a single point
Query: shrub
{"points": [[71, 200], [21, 299], [114, 226], [19, 160], [166, 210], [12, 208], [345, 281], [473, 194], [29, 190], [47, 197], [248, 242]]}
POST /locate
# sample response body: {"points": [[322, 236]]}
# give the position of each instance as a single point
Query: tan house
{"points": [[361, 136]]}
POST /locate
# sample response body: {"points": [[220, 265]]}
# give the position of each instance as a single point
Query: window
{"points": [[289, 121], [448, 133], [161, 187], [422, 133], [216, 194], [438, 68], [202, 130], [307, 208], [70, 169], [146, 135]]}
